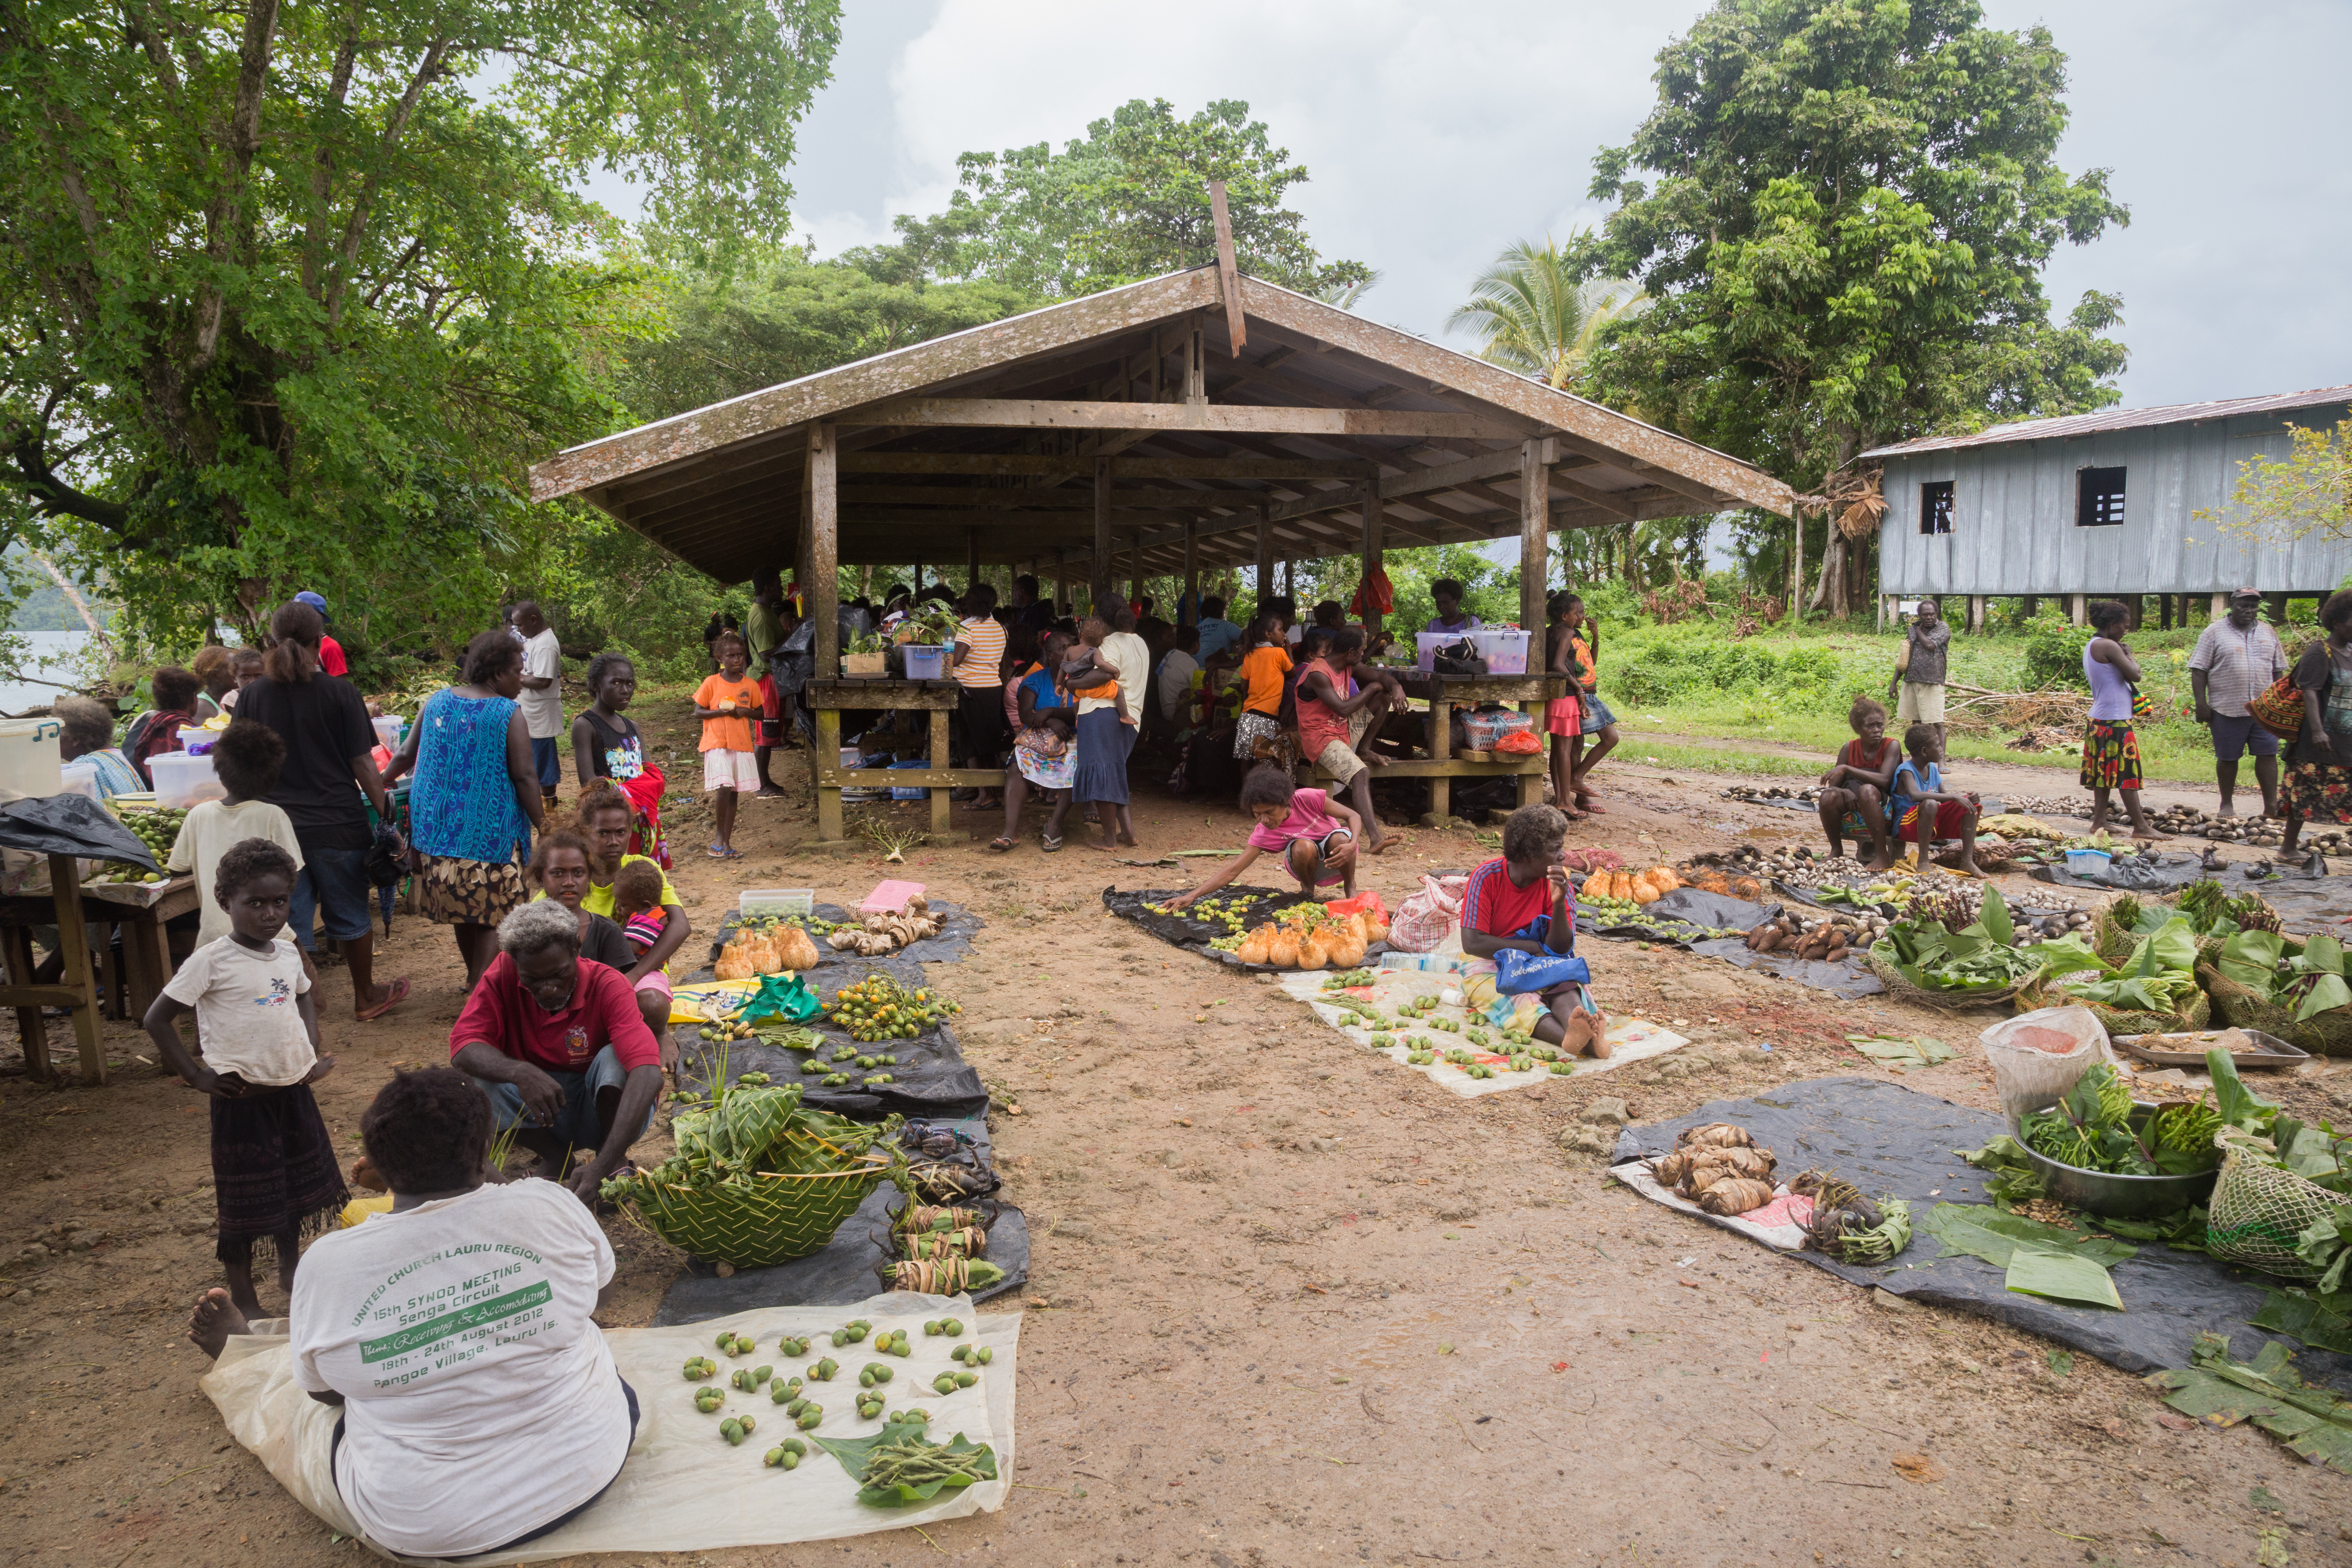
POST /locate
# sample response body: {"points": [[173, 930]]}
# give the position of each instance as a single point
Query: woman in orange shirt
{"points": [[1259, 733]]}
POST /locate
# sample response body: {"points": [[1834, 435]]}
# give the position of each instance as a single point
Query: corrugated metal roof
{"points": [[2120, 419]]}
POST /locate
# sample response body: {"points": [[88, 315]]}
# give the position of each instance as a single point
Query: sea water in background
{"points": [[54, 656]]}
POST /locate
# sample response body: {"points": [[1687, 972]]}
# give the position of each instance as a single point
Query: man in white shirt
{"points": [[481, 1407], [2236, 658], [1177, 671], [542, 694]]}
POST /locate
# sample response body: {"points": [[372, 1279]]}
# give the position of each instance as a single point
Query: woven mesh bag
{"points": [[2257, 1212], [758, 1218]]}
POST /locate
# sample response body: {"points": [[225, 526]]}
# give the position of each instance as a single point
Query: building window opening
{"points": [[1936, 506], [2099, 501]]}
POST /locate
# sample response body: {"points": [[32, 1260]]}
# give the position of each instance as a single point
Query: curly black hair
{"points": [[248, 858], [428, 1132], [175, 688], [248, 757], [1267, 785], [489, 655], [603, 664]]}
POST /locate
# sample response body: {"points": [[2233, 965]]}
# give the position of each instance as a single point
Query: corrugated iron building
{"points": [[2099, 505]]}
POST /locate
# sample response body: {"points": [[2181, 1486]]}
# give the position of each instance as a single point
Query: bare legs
{"points": [[2266, 772], [477, 945], [2138, 819], [1866, 801], [1581, 767]]}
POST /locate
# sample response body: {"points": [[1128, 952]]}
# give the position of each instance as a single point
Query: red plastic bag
{"points": [[1383, 593], [1366, 902], [1520, 743]]}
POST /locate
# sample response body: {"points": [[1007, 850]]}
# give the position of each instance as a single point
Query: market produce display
{"points": [[879, 1008], [1827, 938], [763, 949], [1647, 886], [1760, 793], [157, 827], [1307, 936], [2098, 1127], [1720, 1167], [2307, 977], [884, 933], [2259, 832], [1978, 960], [1848, 1226], [1796, 864], [1602, 913]]}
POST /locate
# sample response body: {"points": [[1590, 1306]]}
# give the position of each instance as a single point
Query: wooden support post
{"points": [[1264, 560], [1098, 586], [1535, 545], [1135, 573], [16, 949], [940, 760], [1229, 286], [1374, 527], [2078, 608], [1796, 565], [2274, 604], [1975, 612], [825, 547], [1188, 612], [2218, 608], [1061, 580], [828, 754], [73, 950], [1441, 746]]}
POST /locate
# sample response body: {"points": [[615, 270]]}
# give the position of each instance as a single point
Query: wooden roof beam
{"points": [[1043, 414]]}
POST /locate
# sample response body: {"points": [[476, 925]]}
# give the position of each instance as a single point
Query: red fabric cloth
{"points": [[645, 792], [510, 1020], [330, 656], [1318, 725], [1494, 904], [1950, 817]]}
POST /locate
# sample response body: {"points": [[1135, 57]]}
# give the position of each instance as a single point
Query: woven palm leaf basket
{"points": [[757, 1218]]}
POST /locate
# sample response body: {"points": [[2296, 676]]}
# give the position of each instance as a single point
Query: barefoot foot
{"points": [[214, 1321], [1581, 1036]]}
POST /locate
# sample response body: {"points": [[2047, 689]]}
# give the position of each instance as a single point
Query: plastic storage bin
{"points": [[910, 791], [1481, 730], [29, 759], [182, 780], [78, 778], [1504, 651], [1426, 644], [2080, 862], [924, 663], [388, 731], [777, 900]]}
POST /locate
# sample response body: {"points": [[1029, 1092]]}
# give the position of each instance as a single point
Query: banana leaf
{"points": [[2251, 959], [857, 1453], [2066, 955], [2324, 954], [2327, 993]]}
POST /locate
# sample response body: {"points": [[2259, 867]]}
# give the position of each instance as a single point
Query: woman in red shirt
{"points": [[1521, 899]]}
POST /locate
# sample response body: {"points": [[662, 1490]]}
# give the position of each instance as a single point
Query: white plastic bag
{"points": [[2030, 1077], [1427, 916]]}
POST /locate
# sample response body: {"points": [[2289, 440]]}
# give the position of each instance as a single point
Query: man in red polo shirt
{"points": [[330, 652], [557, 1043], [1521, 899]]}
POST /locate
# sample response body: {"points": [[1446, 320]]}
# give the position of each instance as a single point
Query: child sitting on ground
{"points": [[1521, 899], [1315, 836], [1854, 792], [274, 1172], [246, 759], [1921, 810], [638, 903]]}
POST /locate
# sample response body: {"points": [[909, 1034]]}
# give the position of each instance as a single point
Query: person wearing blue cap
{"points": [[330, 652]]}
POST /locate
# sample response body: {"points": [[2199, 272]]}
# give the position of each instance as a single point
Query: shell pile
{"points": [[1799, 865], [1808, 795], [2041, 804], [2258, 832]]}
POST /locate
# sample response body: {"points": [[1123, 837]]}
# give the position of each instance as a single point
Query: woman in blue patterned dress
{"points": [[476, 800]]}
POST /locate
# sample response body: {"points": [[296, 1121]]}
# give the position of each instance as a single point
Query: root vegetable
{"points": [[1735, 1194], [1715, 1135]]}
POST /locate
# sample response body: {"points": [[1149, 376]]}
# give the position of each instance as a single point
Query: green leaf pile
{"points": [[2267, 1391], [857, 1457], [1978, 958]]}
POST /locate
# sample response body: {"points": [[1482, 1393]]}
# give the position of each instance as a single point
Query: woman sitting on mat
{"points": [[1521, 899], [1854, 792]]}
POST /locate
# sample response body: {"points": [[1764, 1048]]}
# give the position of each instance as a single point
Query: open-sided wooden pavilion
{"points": [[1200, 419]]}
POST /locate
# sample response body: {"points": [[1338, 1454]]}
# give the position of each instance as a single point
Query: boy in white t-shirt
{"points": [[245, 759], [274, 1172]]}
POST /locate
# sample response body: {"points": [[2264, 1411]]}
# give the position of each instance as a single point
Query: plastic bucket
{"points": [[925, 663]]}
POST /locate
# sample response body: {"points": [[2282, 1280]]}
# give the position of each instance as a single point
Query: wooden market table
{"points": [[826, 699], [1439, 764]]}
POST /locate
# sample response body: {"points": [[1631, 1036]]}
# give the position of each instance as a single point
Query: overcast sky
{"points": [[1434, 135]]}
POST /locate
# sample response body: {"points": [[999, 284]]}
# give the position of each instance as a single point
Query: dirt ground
{"points": [[1291, 1304]]}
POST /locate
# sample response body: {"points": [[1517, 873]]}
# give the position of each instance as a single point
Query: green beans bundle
{"points": [[910, 1461]]}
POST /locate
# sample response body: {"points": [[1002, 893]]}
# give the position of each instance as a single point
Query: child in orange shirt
{"points": [[1257, 734], [729, 706]]}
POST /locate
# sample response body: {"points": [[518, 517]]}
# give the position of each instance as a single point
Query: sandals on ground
{"points": [[1000, 844], [1050, 844], [394, 997]]}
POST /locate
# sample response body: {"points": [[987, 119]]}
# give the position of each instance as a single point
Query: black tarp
{"points": [[1193, 934], [2309, 899], [1895, 1141], [844, 1271], [1695, 905], [1849, 977], [931, 1079], [958, 926], [70, 824]]}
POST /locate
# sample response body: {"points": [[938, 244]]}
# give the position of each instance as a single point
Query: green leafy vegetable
{"points": [[2184, 1230], [1982, 1231], [2310, 1421], [900, 1464]]}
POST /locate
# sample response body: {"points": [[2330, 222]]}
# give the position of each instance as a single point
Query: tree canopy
{"points": [[1844, 239], [1130, 201], [293, 292]]}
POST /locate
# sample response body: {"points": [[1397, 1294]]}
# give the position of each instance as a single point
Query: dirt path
{"points": [[1291, 1305]]}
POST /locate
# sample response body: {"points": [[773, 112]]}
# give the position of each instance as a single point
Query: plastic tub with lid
{"points": [[924, 663], [776, 900], [1504, 649], [181, 779], [78, 777], [387, 731], [29, 758]]}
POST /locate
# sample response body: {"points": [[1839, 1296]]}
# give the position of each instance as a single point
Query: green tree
{"points": [[2308, 491], [1129, 202], [1535, 317], [1842, 245], [293, 292]]}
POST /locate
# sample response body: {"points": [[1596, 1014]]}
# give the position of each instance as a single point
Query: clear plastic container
{"points": [[1504, 649], [1426, 644], [1481, 730], [29, 759], [78, 777], [924, 663], [910, 791], [388, 730], [181, 779], [776, 900]]}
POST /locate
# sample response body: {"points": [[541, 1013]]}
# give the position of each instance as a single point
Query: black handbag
{"points": [[1457, 658]]}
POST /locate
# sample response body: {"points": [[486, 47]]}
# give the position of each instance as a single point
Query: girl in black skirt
{"points": [[274, 1168]]}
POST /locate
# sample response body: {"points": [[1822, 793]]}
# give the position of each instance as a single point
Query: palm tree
{"points": [[1345, 295], [1535, 318]]}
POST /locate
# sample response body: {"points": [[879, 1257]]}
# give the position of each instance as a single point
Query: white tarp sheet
{"points": [[683, 1488]]}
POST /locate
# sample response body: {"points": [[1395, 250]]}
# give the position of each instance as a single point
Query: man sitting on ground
{"points": [[557, 1043], [493, 1415]]}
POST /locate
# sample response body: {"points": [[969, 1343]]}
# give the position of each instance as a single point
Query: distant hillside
{"points": [[45, 608]]}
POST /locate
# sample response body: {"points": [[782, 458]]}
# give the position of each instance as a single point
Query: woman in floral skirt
{"points": [[2110, 748], [2319, 764]]}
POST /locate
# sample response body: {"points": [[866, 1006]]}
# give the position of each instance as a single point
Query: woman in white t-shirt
{"points": [[481, 1408]]}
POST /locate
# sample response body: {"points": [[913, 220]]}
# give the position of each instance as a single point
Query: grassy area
{"points": [[1796, 688]]}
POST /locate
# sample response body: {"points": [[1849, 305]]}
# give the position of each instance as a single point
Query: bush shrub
{"points": [[2054, 651]]}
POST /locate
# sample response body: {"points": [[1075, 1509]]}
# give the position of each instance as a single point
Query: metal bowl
{"points": [[2119, 1197]]}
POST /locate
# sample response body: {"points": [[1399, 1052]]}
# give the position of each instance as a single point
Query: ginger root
{"points": [[1715, 1135], [1736, 1194]]}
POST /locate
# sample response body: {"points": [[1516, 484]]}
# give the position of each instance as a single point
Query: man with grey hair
{"points": [[557, 1043], [2237, 657]]}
